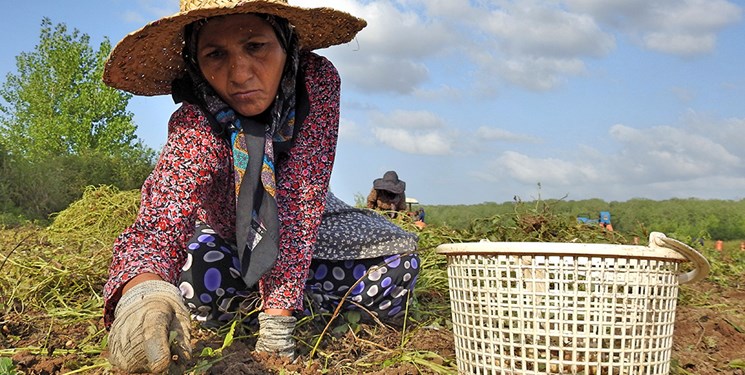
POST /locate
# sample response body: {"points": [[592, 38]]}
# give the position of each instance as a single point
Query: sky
{"points": [[473, 101]]}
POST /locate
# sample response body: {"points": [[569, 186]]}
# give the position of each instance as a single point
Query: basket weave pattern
{"points": [[187, 5], [562, 314]]}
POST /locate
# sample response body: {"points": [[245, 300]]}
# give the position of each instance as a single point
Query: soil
{"points": [[709, 338]]}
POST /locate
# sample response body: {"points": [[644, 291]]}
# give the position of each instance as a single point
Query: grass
{"points": [[51, 280]]}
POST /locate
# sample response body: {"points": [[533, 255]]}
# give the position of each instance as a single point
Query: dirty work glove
{"points": [[275, 335], [151, 327]]}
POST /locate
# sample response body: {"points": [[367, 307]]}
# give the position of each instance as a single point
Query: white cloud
{"points": [[414, 142], [495, 134], [538, 74], [729, 132], [381, 73], [685, 28], [532, 45], [528, 44], [679, 43], [412, 132], [665, 152], [390, 53], [533, 29], [442, 92], [683, 94], [699, 157], [536, 45], [554, 171], [350, 130]]}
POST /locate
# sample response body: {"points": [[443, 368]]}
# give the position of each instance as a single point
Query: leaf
{"points": [[353, 317], [6, 367], [228, 338], [341, 329], [207, 352]]}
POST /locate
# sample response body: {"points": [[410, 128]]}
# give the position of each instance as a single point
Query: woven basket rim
{"points": [[559, 249]]}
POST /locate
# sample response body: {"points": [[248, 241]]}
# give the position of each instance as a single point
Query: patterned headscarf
{"points": [[253, 142]]}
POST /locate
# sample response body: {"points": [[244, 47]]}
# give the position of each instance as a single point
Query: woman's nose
{"points": [[241, 69]]}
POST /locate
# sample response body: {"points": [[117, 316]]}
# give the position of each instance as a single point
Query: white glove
{"points": [[151, 327], [275, 335]]}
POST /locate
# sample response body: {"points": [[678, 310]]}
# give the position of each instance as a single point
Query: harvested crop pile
{"points": [[97, 218]]}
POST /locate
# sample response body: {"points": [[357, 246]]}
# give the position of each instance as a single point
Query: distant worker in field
{"points": [[388, 193], [420, 214], [419, 218], [604, 220]]}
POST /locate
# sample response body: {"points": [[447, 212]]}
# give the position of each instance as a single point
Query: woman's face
{"points": [[242, 60]]}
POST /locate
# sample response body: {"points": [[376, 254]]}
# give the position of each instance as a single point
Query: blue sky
{"points": [[479, 101]]}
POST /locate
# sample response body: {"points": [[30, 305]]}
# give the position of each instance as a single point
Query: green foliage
{"points": [[227, 341], [56, 103], [726, 265], [538, 221], [6, 367], [34, 190], [689, 219], [62, 129]]}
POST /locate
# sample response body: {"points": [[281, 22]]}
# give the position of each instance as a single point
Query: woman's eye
{"points": [[213, 54], [255, 46]]}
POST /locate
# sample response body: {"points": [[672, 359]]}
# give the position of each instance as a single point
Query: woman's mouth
{"points": [[243, 96]]}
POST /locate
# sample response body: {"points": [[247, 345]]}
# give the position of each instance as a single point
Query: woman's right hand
{"points": [[150, 331]]}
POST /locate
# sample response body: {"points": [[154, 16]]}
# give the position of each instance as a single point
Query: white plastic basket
{"points": [[566, 308]]}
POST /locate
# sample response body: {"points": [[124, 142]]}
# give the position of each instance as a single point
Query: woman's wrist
{"points": [[139, 279], [281, 312]]}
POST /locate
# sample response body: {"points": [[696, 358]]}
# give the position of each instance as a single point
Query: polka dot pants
{"points": [[214, 290]]}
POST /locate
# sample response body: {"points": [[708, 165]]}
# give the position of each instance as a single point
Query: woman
{"points": [[249, 154], [388, 193]]}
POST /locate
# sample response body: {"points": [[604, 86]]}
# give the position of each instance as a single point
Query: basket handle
{"points": [[701, 269]]}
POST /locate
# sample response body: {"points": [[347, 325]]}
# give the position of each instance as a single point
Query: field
{"points": [[50, 304]]}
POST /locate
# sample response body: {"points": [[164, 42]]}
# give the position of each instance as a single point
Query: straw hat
{"points": [[147, 60], [390, 182]]}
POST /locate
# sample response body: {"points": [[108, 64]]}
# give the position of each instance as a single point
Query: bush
{"points": [[34, 190]]}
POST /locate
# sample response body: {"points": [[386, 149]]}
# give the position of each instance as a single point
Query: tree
{"points": [[62, 129], [56, 104]]}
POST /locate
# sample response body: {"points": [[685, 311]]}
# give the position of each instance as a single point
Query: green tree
{"points": [[56, 104], [62, 129]]}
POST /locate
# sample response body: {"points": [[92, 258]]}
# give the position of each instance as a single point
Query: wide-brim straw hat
{"points": [[146, 61]]}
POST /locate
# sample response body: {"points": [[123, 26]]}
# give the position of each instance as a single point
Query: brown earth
{"points": [[709, 338]]}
